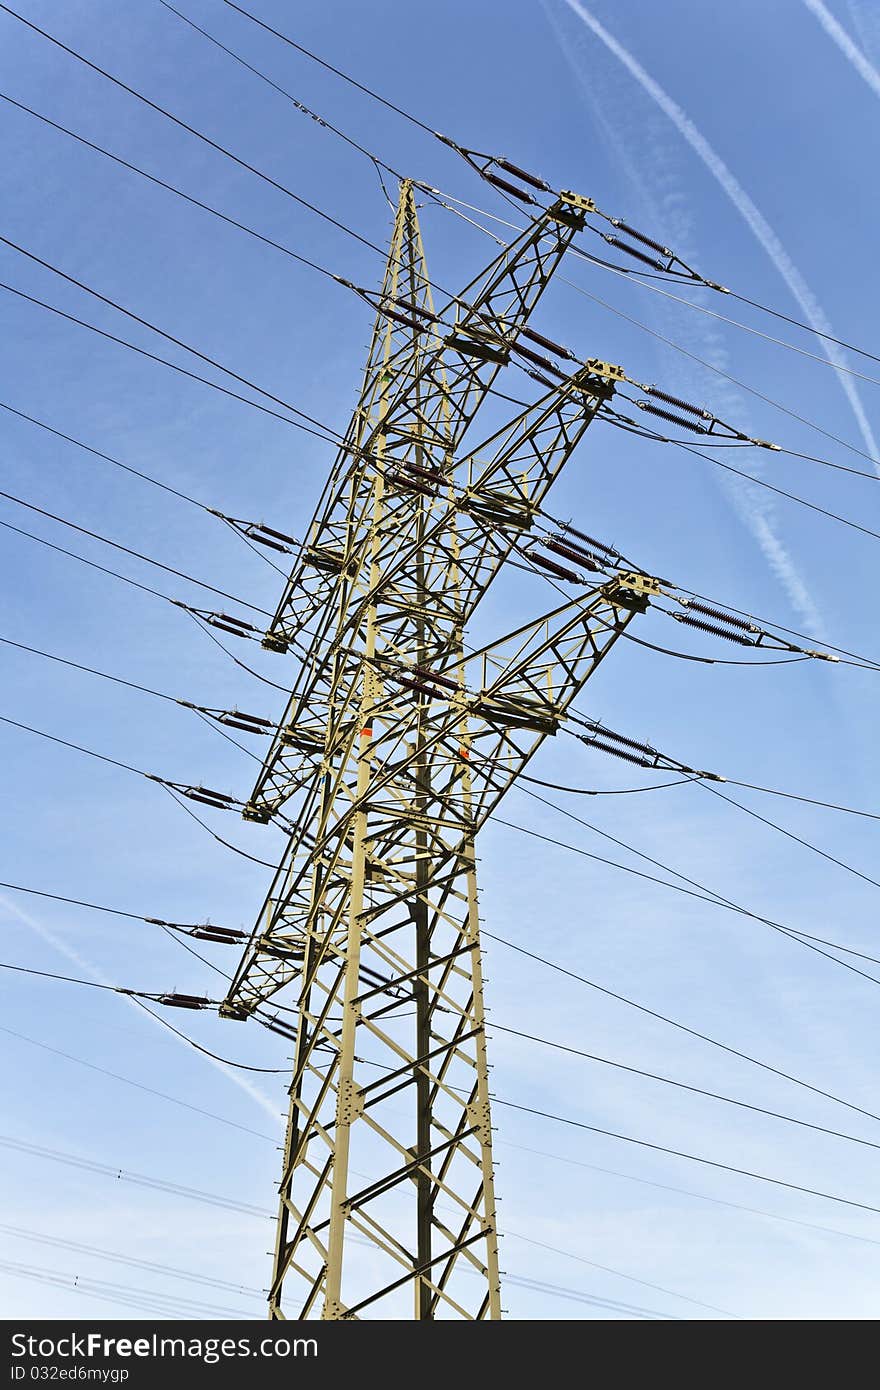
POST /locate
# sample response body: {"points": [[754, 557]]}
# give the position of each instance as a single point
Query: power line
{"points": [[330, 275], [74, 980], [669, 1081], [623, 422], [841, 863], [132, 685], [119, 1257], [135, 554], [793, 632], [137, 997], [221, 149], [407, 115], [681, 1085], [677, 1024], [128, 1081], [698, 1196], [145, 477], [169, 337], [607, 1269], [108, 458], [449, 143], [607, 1305], [170, 187], [305, 260], [810, 800], [172, 788], [568, 1254], [585, 791], [300, 106], [717, 898], [692, 776], [323, 270], [174, 366], [97, 907], [192, 1276], [120, 1294], [692, 1158], [711, 366], [560, 1158], [156, 593], [90, 752]]}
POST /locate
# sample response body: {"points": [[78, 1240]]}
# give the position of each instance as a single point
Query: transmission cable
{"points": [[145, 477], [630, 428], [129, 1081], [175, 367], [139, 995], [731, 801], [136, 554], [679, 1153], [716, 898], [559, 1158], [320, 120], [155, 593], [171, 788], [252, 169], [735, 381], [329, 274], [796, 935], [677, 1024], [681, 1085], [452, 144]]}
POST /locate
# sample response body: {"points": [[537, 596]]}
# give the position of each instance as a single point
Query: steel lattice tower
{"points": [[396, 745]]}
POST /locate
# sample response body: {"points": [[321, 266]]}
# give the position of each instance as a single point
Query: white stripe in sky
{"points": [[750, 213], [60, 945], [850, 50]]}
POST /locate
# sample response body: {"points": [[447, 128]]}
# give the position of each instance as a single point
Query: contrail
{"points": [[753, 507], [100, 978], [755, 219], [850, 50]]}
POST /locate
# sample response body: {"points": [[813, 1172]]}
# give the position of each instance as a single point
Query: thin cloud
{"points": [[747, 209], [754, 508], [850, 50], [60, 945]]}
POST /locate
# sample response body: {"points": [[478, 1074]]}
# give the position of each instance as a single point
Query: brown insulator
{"points": [[729, 618], [570, 552], [640, 236], [618, 753], [547, 343], [514, 169], [559, 570], [679, 420], [640, 747], [279, 535], [507, 187], [183, 1001], [582, 536], [445, 681], [631, 251], [539, 361], [714, 629], [676, 400]]}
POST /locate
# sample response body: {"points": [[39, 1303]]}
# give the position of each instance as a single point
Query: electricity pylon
{"points": [[396, 745]]}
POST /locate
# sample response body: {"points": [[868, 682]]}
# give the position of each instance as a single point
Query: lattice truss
{"points": [[397, 743]]}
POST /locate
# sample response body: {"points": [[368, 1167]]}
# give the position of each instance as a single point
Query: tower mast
{"points": [[396, 745]]}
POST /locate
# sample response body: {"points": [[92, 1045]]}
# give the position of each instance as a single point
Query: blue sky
{"points": [[794, 122]]}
